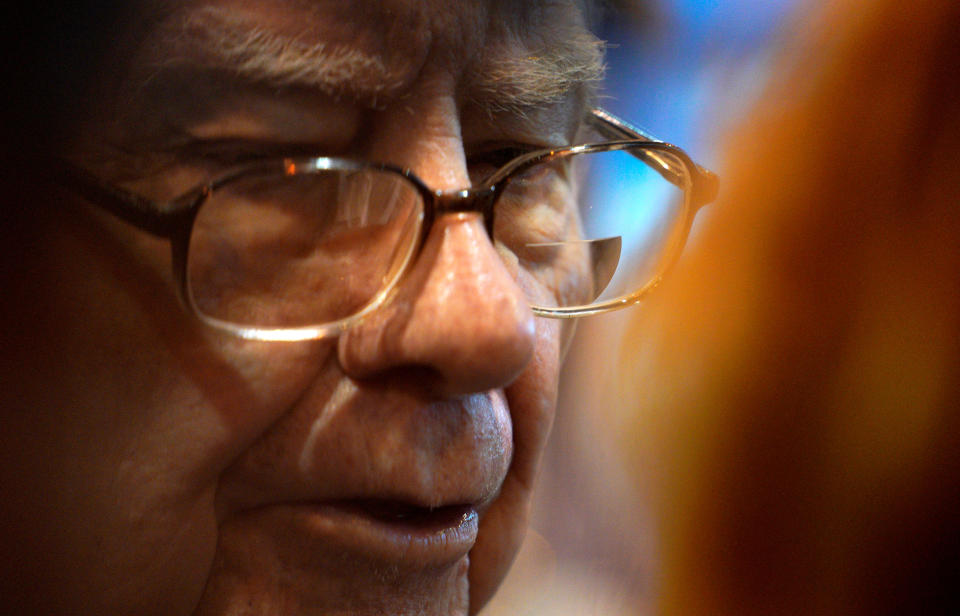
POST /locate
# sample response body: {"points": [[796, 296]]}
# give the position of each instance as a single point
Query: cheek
{"points": [[105, 519], [532, 402], [118, 419], [533, 396]]}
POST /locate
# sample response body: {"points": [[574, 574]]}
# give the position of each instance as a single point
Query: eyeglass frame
{"points": [[174, 219]]}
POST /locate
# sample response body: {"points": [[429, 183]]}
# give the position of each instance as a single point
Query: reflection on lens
{"points": [[602, 254], [277, 251], [595, 227]]}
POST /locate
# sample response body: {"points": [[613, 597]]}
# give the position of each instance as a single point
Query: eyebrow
{"points": [[510, 81], [509, 77], [229, 42]]}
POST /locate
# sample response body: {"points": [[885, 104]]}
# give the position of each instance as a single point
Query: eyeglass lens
{"points": [[290, 251], [592, 227]]}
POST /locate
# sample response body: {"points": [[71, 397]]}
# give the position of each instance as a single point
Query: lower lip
{"points": [[433, 539]]}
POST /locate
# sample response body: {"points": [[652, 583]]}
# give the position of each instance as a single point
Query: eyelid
{"points": [[231, 151], [492, 157]]}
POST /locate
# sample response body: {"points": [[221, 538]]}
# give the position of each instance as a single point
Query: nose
{"points": [[459, 314]]}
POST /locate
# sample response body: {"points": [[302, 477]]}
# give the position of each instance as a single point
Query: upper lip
{"points": [[396, 469]]}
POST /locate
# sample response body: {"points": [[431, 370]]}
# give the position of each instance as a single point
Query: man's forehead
{"points": [[521, 53]]}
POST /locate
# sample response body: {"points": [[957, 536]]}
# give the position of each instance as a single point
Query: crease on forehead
{"points": [[535, 54]]}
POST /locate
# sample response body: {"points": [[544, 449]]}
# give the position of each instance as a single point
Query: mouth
{"points": [[391, 531], [417, 518]]}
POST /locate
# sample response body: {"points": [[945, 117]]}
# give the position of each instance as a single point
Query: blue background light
{"points": [[696, 66]]}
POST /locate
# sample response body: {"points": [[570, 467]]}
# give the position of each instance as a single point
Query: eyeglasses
{"points": [[302, 248]]}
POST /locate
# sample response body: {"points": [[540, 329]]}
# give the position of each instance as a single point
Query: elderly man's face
{"points": [[163, 468]]}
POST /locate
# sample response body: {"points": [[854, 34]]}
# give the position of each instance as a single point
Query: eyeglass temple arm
{"points": [[140, 212], [704, 181]]}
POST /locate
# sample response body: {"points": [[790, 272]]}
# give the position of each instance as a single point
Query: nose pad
{"points": [[458, 314]]}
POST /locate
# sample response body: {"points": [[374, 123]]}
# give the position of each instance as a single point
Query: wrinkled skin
{"points": [[154, 466]]}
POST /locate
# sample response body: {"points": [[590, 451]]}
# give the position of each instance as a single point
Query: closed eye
{"points": [[485, 162], [230, 152]]}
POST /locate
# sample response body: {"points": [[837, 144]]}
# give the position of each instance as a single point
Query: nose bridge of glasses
{"points": [[477, 199]]}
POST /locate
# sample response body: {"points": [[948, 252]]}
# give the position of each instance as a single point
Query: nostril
{"points": [[443, 371]]}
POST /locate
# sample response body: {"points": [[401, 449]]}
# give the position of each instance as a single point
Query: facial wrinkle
{"points": [[344, 390]]}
